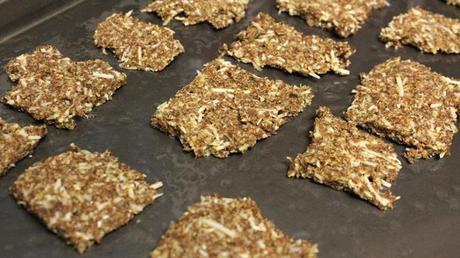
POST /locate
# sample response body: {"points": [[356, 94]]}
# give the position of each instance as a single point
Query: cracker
{"points": [[17, 142], [82, 196], [226, 109], [407, 102], [276, 44], [345, 158], [138, 45], [345, 17], [55, 89], [219, 13], [430, 32], [226, 227]]}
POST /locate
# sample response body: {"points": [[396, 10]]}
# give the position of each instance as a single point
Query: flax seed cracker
{"points": [[56, 89], [226, 109], [345, 158], [267, 42], [218, 227], [407, 102], [82, 196]]}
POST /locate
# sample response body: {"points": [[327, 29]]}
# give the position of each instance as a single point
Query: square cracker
{"points": [[82, 196], [345, 17], [226, 109], [430, 32], [55, 89], [407, 102], [345, 158], [218, 227], [220, 13], [267, 42], [17, 142], [138, 45]]}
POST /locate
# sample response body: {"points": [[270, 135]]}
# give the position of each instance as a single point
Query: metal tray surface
{"points": [[424, 223]]}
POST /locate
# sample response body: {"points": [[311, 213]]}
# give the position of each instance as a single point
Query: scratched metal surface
{"points": [[424, 223]]}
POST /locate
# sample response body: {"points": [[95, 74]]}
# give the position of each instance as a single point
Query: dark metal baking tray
{"points": [[424, 223]]}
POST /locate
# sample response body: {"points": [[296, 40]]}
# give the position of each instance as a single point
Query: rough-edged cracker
{"points": [[269, 43], [55, 89], [430, 32], [17, 142], [345, 158], [226, 109], [407, 102], [220, 13], [226, 227], [82, 196], [138, 45], [345, 17]]}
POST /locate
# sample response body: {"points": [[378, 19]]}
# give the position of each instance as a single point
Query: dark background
{"points": [[424, 223]]}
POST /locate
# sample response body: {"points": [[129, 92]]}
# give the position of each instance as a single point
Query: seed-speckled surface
{"points": [[226, 109], [346, 158], [227, 227], [267, 42], [345, 17], [220, 13], [428, 31], [138, 45], [17, 142], [55, 89], [424, 222], [410, 104], [82, 196]]}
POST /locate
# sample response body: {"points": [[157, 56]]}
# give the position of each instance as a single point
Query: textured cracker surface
{"points": [[226, 109], [225, 227], [430, 32], [17, 142], [82, 196], [267, 42], [220, 13], [138, 45], [407, 102], [345, 17], [55, 89], [345, 158]]}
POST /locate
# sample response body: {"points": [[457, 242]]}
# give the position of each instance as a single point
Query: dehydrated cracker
{"points": [[407, 102], [430, 32], [56, 89], [269, 43], [82, 196], [17, 142], [226, 109], [138, 45], [220, 13], [225, 227], [345, 17], [345, 158]]}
